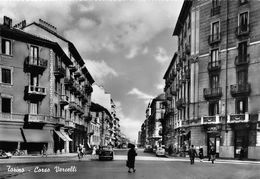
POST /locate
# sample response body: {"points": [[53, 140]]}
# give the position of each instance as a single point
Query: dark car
{"points": [[148, 148], [106, 152], [4, 154]]}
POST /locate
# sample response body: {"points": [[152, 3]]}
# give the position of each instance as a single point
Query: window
{"points": [[243, 22], [213, 108], [242, 52], [214, 58], [215, 31], [33, 108], [243, 2], [215, 3], [34, 55], [6, 75], [6, 47], [214, 81], [6, 105], [241, 106], [34, 81], [56, 110], [242, 78]]}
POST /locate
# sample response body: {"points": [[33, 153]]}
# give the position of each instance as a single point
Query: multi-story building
{"points": [[41, 96], [154, 120], [218, 42]]}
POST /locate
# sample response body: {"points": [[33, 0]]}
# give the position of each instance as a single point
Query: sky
{"points": [[126, 45]]}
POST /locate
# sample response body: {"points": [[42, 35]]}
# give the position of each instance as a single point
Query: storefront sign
{"points": [[213, 128]]}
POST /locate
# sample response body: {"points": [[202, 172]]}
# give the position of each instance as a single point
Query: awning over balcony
{"points": [[66, 135], [37, 135], [60, 135], [10, 135]]}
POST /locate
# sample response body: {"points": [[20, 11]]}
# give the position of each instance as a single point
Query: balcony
{"points": [[238, 118], [214, 66], [58, 120], [69, 124], [180, 103], [35, 64], [242, 30], [72, 106], [11, 117], [77, 91], [214, 38], [88, 89], [242, 60], [79, 109], [187, 49], [72, 68], [77, 74], [59, 72], [210, 119], [240, 89], [212, 93], [64, 100], [173, 91], [36, 118], [215, 10], [35, 92], [81, 78], [178, 66]]}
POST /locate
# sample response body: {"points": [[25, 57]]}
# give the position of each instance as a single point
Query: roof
{"points": [[160, 97], [22, 36], [98, 108], [88, 75], [183, 15], [170, 66]]}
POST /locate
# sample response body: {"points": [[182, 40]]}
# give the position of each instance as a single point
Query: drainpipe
{"points": [[226, 93]]}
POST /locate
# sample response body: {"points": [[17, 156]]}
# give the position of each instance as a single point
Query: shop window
{"points": [[6, 105], [6, 47], [241, 105], [6, 76]]}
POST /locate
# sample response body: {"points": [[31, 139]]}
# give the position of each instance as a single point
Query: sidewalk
{"points": [[53, 158], [218, 160]]}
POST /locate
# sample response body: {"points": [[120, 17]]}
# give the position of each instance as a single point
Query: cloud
{"points": [[161, 56], [140, 94], [100, 70], [160, 86], [145, 51], [133, 52]]}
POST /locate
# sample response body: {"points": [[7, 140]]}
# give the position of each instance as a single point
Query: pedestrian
{"points": [[131, 158], [44, 151], [79, 151], [212, 154], [94, 152], [201, 154], [241, 156], [193, 154]]}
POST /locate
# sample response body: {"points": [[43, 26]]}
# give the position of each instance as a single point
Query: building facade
{"points": [[218, 42]]}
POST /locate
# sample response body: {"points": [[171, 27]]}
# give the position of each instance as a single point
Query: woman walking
{"points": [[201, 154], [212, 154], [131, 158]]}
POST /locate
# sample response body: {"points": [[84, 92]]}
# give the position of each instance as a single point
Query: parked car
{"points": [[148, 148], [4, 154], [160, 151], [106, 152]]}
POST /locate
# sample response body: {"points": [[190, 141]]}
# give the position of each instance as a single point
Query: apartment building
{"points": [[42, 97], [218, 42]]}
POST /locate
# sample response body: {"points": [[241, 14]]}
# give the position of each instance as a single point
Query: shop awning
{"points": [[60, 135], [37, 135], [66, 136], [11, 135]]}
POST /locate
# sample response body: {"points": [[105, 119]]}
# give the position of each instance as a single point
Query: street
{"points": [[147, 166]]}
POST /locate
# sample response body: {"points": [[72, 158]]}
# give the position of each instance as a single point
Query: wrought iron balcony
{"points": [[215, 10], [73, 106], [212, 93], [214, 38], [214, 66], [243, 30], [35, 64], [59, 72], [36, 118], [180, 103], [238, 118], [210, 119], [72, 68], [242, 60], [64, 100], [240, 89], [35, 92]]}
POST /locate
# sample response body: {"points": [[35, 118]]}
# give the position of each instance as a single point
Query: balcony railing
{"points": [[243, 30], [36, 118], [72, 68], [180, 103], [240, 89], [214, 66], [214, 38], [69, 124], [35, 92], [215, 10], [36, 64], [11, 117], [210, 119], [238, 118], [64, 100], [59, 71], [242, 60], [72, 106], [211, 93]]}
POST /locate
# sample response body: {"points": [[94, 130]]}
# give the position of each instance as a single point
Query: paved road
{"points": [[148, 167]]}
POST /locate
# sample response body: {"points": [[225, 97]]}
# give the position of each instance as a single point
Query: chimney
{"points": [[7, 22]]}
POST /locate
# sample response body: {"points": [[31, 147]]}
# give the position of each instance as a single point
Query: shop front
{"points": [[213, 137]]}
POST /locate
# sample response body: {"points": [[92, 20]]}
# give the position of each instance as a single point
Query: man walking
{"points": [[193, 154], [212, 154]]}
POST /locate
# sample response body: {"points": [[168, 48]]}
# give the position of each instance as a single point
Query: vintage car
{"points": [[148, 148], [4, 154], [160, 151], [106, 152]]}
